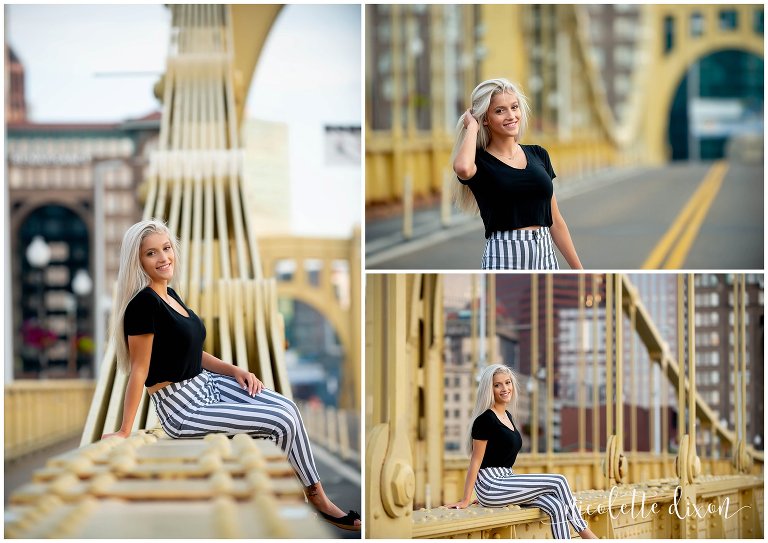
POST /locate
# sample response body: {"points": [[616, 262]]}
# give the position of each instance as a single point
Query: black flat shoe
{"points": [[347, 522]]}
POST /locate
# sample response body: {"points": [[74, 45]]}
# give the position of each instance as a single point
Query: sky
{"points": [[98, 63]]}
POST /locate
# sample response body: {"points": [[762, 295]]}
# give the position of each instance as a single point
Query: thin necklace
{"points": [[517, 146]]}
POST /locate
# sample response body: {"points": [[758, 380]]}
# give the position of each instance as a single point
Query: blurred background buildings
{"points": [[609, 85], [77, 183], [646, 110], [464, 347]]}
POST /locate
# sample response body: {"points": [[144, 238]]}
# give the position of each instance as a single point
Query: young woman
{"points": [[159, 343], [509, 183], [493, 443]]}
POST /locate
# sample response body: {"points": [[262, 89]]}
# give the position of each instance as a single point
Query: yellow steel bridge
{"points": [[711, 492], [205, 488]]}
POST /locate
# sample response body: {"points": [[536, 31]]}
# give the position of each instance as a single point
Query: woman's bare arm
{"points": [[140, 349], [478, 451], [246, 379], [464, 163], [562, 237]]}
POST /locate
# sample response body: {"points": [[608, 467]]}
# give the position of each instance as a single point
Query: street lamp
{"points": [[81, 286], [39, 255]]}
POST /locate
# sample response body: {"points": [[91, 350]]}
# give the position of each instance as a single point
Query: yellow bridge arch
{"points": [[323, 296], [666, 69]]}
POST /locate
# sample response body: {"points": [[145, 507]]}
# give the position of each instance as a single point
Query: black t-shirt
{"points": [[503, 444], [511, 198], [177, 347]]}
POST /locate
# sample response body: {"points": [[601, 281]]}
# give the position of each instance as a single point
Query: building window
{"points": [[729, 20], [697, 24], [669, 33]]}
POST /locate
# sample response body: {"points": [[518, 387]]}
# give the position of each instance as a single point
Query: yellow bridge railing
{"points": [[335, 429], [42, 413]]}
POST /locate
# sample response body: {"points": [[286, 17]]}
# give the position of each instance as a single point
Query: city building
{"points": [[76, 186], [461, 368], [266, 176], [715, 344], [615, 32]]}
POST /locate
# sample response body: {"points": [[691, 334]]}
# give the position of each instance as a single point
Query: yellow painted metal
{"points": [[652, 407], [581, 385], [693, 458], [488, 32], [534, 363], [666, 70], [493, 356], [743, 346], [496, 20], [633, 379], [619, 323], [680, 360], [251, 24], [212, 488], [596, 434], [654, 343], [29, 406], [474, 323], [736, 352], [550, 361], [612, 513], [195, 181], [325, 296], [644, 472], [742, 457], [609, 369], [403, 450]]}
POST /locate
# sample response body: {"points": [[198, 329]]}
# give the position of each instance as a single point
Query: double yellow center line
{"points": [[677, 241]]}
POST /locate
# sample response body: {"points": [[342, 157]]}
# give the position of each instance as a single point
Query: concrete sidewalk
{"points": [[384, 238]]}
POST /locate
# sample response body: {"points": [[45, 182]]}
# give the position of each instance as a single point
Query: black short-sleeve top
{"points": [[503, 443], [511, 198], [177, 346]]}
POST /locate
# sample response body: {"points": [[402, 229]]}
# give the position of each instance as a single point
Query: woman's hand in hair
{"points": [[249, 382], [469, 120]]}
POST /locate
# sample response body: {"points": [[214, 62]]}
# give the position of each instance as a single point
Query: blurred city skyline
{"points": [[99, 64]]}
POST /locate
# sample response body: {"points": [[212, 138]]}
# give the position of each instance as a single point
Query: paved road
{"points": [[618, 224]]}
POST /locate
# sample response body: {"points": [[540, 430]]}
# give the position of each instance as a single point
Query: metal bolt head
{"points": [[403, 484]]}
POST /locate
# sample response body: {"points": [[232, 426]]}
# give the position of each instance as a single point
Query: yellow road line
{"points": [[685, 228], [680, 252]]}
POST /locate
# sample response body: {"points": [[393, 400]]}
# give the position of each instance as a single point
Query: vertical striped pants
{"points": [[211, 403], [520, 250], [497, 487]]}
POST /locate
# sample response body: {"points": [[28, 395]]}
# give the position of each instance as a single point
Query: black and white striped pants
{"points": [[520, 250], [211, 403], [497, 487]]}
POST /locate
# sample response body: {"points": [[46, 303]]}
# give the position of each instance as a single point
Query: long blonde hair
{"points": [[481, 100], [132, 279], [484, 399]]}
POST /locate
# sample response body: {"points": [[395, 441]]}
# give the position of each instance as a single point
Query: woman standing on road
{"points": [[509, 183], [159, 343], [493, 443]]}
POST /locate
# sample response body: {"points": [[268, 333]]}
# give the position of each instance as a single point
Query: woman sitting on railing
{"points": [[159, 342], [493, 443]]}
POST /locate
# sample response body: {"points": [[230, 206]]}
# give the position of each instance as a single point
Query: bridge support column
{"points": [[390, 478]]}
